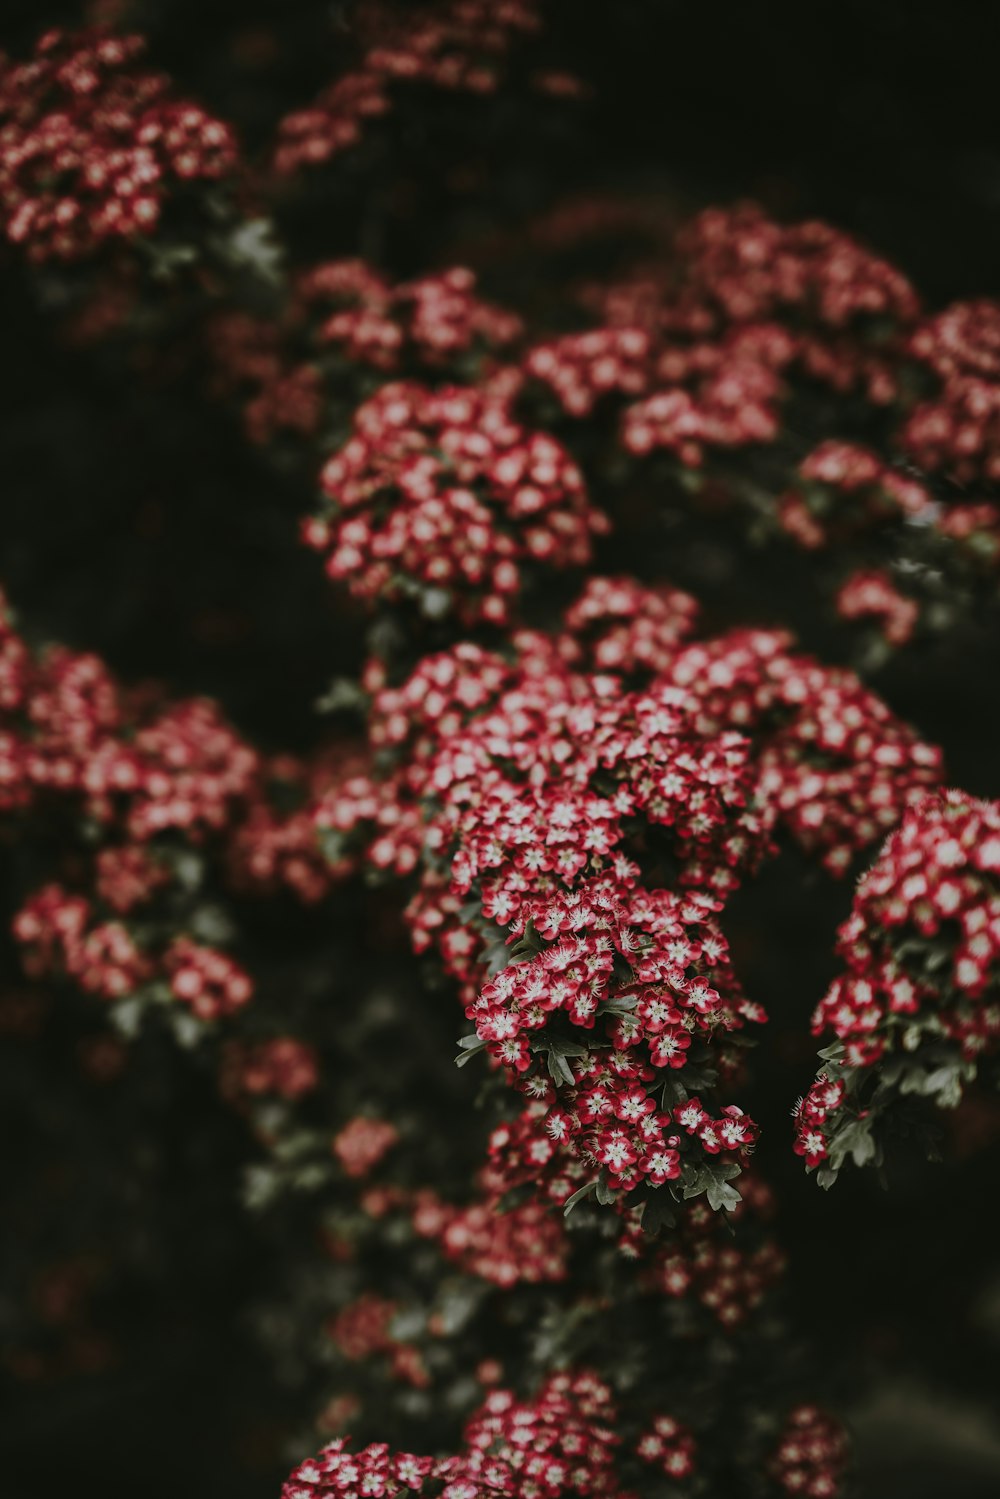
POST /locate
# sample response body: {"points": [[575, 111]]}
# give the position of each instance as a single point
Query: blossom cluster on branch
{"points": [[916, 1008], [92, 146]]}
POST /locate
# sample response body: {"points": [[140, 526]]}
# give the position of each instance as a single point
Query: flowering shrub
{"points": [[441, 494], [93, 146], [519, 655], [915, 1010]]}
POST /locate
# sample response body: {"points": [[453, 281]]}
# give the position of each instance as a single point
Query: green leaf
{"points": [[605, 1192], [695, 1181], [658, 1212], [622, 1004], [832, 1053], [527, 946], [559, 1069], [566, 1048], [699, 1078], [469, 1052], [721, 1195], [673, 1093], [578, 1196]]}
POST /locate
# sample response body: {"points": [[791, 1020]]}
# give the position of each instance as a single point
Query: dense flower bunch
{"points": [[282, 1067], [709, 345], [144, 792], [640, 975], [58, 933], [810, 1455], [524, 1244], [958, 428], [618, 626], [868, 594], [430, 321], [140, 768], [441, 494], [581, 368], [745, 267], [537, 777], [455, 45], [372, 1471], [916, 1007], [742, 318], [565, 1440], [92, 146], [836, 764], [842, 487], [362, 1143], [559, 1443], [345, 323]]}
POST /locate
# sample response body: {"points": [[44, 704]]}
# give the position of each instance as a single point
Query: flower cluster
{"points": [[209, 981], [705, 350], [871, 594], [128, 875], [937, 878], [670, 1447], [92, 146], [456, 45], [362, 1143], [363, 1328], [713, 394], [372, 1473], [703, 1262], [142, 794], [620, 626], [430, 322], [520, 788], [744, 267], [344, 323], [443, 495], [581, 368], [916, 1006], [836, 765], [273, 845], [525, 1244], [958, 428], [742, 315], [67, 730], [842, 488], [436, 700], [282, 1067], [537, 786], [633, 1034], [560, 1443], [59, 935], [810, 1456]]}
